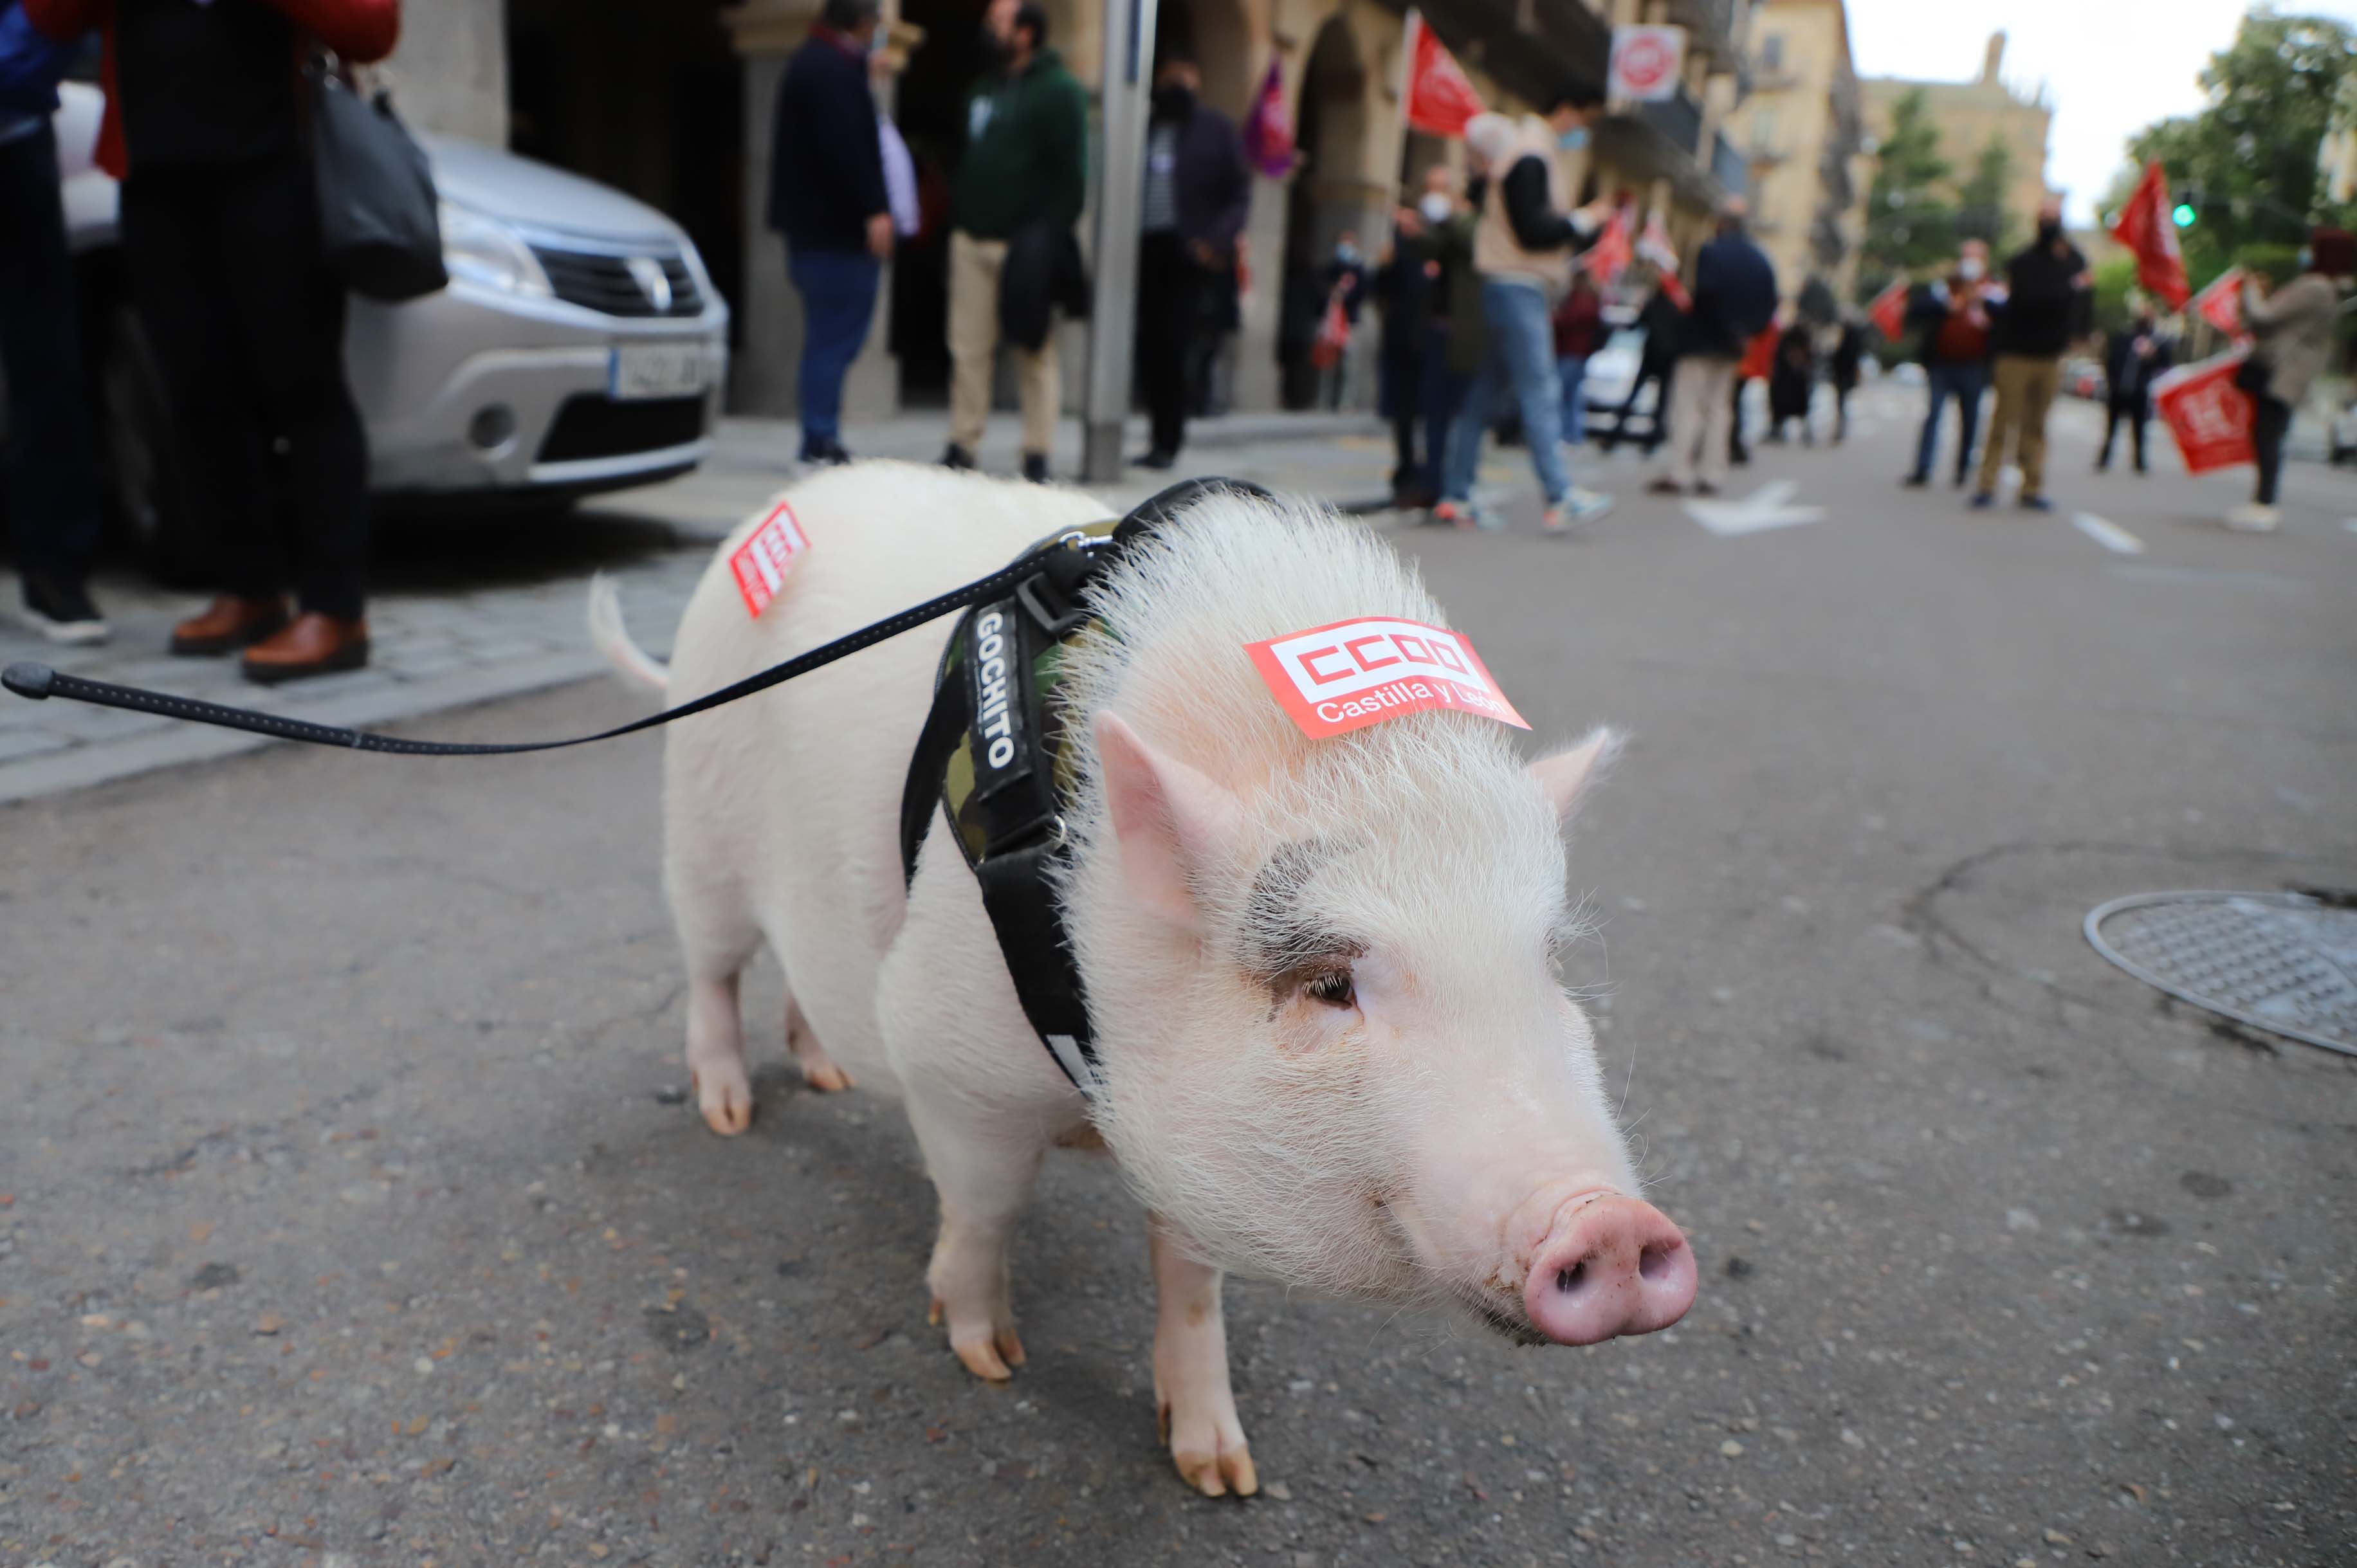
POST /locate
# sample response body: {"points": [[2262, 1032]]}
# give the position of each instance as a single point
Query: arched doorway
{"points": [[1324, 200]]}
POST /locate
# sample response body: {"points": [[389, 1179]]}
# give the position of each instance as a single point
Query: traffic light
{"points": [[2188, 208]]}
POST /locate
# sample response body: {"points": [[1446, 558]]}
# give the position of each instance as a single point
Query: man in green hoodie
{"points": [[1026, 164]]}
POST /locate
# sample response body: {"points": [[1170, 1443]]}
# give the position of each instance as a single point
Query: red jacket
{"points": [[361, 31]]}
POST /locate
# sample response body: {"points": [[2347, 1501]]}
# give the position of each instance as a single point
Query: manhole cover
{"points": [[2277, 961]]}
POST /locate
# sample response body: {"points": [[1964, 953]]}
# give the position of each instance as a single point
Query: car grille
{"points": [[604, 283], [589, 425]]}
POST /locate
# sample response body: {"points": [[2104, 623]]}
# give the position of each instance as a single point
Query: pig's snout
{"points": [[1612, 1266]]}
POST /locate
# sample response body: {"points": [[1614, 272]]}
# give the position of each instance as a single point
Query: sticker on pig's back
{"points": [[768, 553], [1335, 679]]}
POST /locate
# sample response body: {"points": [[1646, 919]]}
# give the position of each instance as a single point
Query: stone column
{"points": [[449, 74], [769, 314]]}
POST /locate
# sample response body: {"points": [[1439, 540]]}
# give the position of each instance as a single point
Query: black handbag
{"points": [[2253, 376], [380, 219]]}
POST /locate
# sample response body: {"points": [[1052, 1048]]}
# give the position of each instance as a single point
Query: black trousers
{"points": [[1168, 285], [2135, 412], [49, 471], [248, 330], [1663, 373], [2270, 422]]}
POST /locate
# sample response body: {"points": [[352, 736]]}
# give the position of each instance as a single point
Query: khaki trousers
{"points": [[2025, 391], [1701, 410], [974, 266]]}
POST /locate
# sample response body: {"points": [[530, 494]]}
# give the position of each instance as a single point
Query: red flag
{"points": [[2221, 304], [1439, 99], [1653, 245], [1675, 290], [1888, 311], [2207, 412], [1268, 133], [1612, 251], [2144, 227]]}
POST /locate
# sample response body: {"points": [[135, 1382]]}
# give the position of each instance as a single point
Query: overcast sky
{"points": [[2111, 67]]}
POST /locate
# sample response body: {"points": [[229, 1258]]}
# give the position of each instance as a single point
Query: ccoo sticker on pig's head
{"points": [[1336, 1051]]}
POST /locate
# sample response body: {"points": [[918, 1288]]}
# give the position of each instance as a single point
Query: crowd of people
{"points": [[1487, 292]]}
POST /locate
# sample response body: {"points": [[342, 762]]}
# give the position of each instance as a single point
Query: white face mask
{"points": [[1970, 269], [1436, 206]]}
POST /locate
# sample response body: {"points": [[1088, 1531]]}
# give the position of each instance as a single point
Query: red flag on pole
{"points": [[2146, 229], [2221, 304], [1653, 245], [1613, 252], [1888, 311], [1268, 133], [1440, 100]]}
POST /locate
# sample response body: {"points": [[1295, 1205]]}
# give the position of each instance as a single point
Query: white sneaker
{"points": [[2255, 517], [1587, 506]]}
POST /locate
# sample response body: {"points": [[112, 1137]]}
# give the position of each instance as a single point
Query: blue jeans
{"points": [[1572, 369], [1965, 382], [1519, 356], [838, 290]]}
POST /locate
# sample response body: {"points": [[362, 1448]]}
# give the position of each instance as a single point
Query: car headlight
{"points": [[479, 249]]}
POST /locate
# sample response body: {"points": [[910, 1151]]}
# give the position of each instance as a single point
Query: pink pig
{"points": [[1335, 1052]]}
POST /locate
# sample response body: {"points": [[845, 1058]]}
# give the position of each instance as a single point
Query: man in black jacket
{"points": [[1196, 198], [1734, 301], [2134, 358], [2048, 295], [827, 198]]}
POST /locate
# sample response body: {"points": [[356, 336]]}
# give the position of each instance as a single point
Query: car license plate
{"points": [[655, 370]]}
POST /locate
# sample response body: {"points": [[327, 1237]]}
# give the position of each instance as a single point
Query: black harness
{"points": [[996, 759]]}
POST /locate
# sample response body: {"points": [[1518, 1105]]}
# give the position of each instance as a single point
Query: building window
{"points": [[1763, 130], [1771, 53]]}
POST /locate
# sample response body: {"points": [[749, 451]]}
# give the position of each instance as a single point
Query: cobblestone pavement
{"points": [[465, 611]]}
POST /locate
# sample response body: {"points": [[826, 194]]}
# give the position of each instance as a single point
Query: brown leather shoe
{"points": [[228, 624], [314, 644]]}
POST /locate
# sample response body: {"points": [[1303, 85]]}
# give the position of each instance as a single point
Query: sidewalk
{"points": [[466, 612]]}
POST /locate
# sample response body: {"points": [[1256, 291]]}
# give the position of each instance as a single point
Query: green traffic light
{"points": [[2183, 215]]}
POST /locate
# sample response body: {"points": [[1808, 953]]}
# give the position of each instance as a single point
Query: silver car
{"points": [[580, 347]]}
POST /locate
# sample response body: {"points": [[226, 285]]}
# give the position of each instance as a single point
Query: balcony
{"points": [[1679, 119], [1729, 167], [1710, 24]]}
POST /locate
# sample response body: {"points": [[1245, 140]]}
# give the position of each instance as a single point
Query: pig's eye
{"points": [[1333, 988]]}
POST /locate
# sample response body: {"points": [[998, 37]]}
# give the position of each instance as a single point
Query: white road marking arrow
{"points": [[1764, 507], [2108, 534]]}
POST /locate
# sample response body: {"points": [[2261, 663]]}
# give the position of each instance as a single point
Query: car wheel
{"points": [[146, 505]]}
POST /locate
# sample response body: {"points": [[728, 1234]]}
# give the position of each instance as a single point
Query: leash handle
{"points": [[38, 683]]}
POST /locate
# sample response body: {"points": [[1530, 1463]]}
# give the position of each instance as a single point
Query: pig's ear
{"points": [[1564, 778], [1168, 819]]}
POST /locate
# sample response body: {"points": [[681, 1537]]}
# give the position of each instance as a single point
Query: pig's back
{"points": [[787, 804]]}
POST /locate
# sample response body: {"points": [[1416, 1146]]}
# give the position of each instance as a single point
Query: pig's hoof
{"points": [[1211, 1453], [725, 1098], [824, 1075], [990, 1355]]}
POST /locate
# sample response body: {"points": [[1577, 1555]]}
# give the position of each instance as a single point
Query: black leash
{"points": [[39, 681]]}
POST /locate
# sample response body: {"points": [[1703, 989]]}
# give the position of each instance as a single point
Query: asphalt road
{"points": [[349, 1213]]}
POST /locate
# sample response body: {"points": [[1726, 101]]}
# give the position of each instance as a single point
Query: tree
{"points": [[2249, 156], [1910, 222], [1980, 201]]}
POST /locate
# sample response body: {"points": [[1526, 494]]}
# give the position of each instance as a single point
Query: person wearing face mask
{"points": [[1411, 290], [1195, 197], [1020, 189], [2291, 331], [830, 200], [1344, 281], [1524, 242], [2134, 358], [1954, 322], [2049, 296]]}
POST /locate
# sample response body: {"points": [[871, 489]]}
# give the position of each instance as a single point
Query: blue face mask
{"points": [[1573, 140]]}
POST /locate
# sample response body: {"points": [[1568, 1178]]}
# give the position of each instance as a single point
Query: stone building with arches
{"points": [[672, 100]]}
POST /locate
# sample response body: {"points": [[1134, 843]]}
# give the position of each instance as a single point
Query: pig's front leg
{"points": [[1193, 1401], [983, 1168]]}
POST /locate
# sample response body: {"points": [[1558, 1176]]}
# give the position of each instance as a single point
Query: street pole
{"points": [[1121, 179]]}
